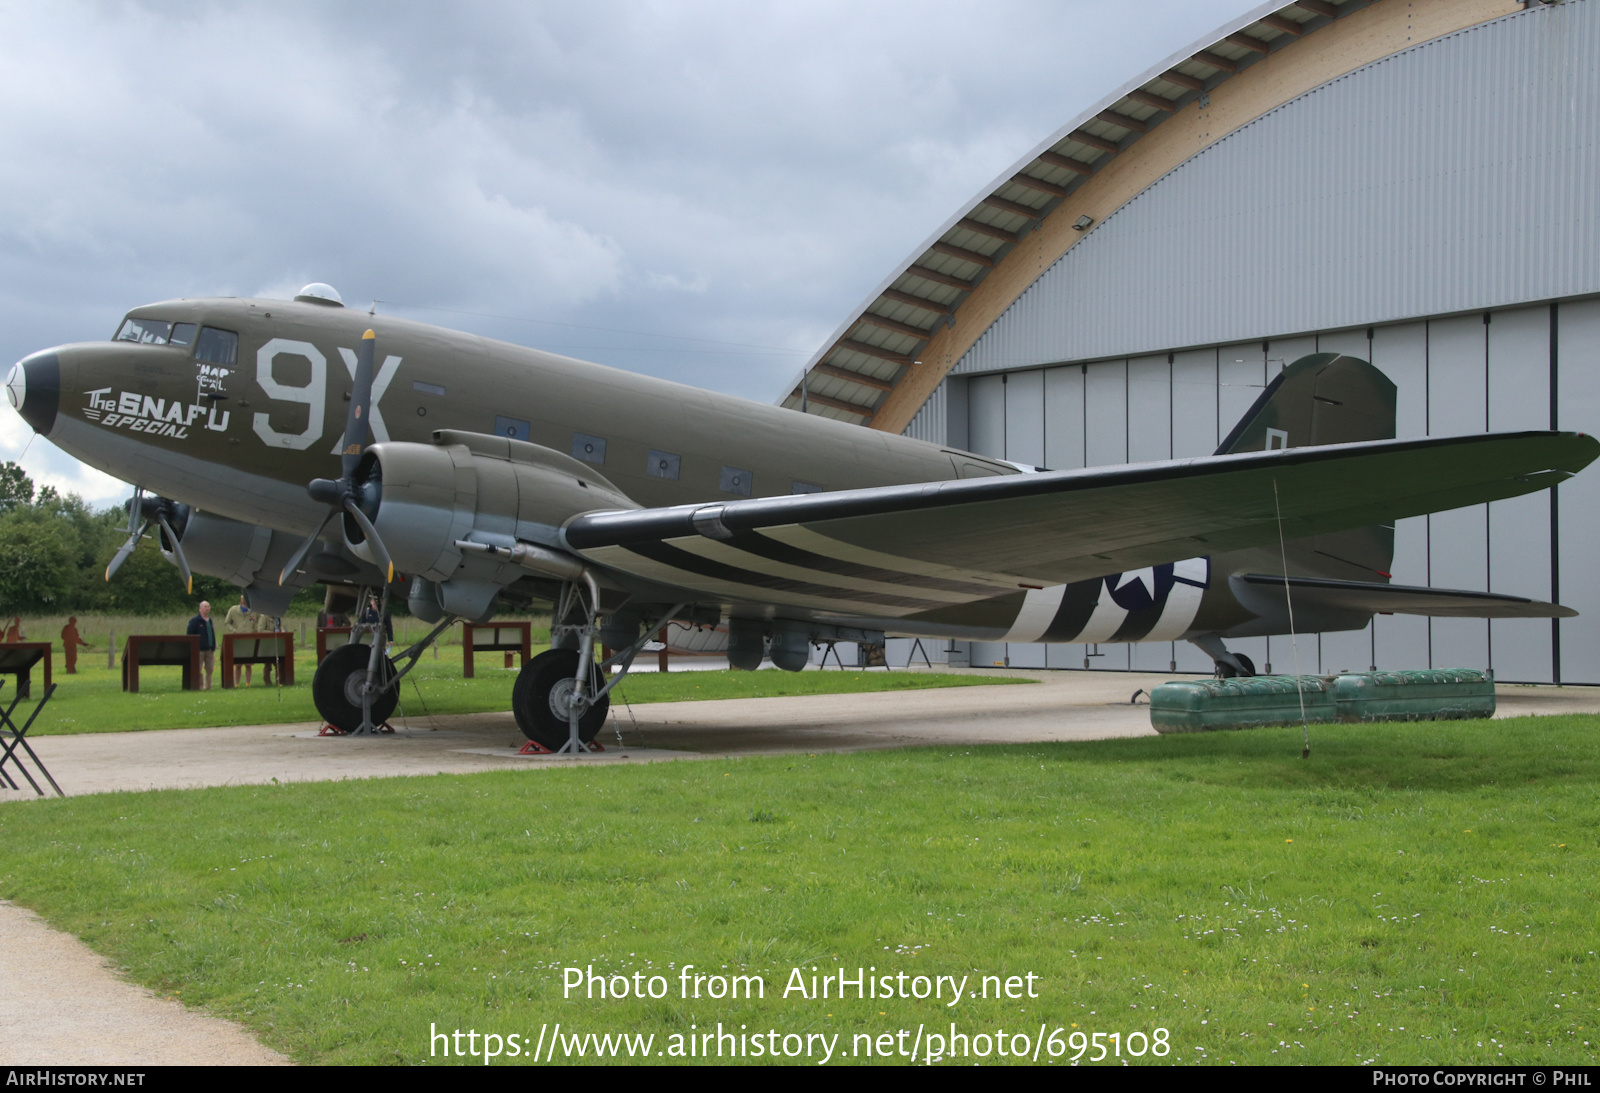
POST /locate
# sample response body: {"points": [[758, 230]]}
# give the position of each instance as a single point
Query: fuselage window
{"points": [[144, 331], [736, 481], [183, 333], [217, 346], [590, 449], [661, 465]]}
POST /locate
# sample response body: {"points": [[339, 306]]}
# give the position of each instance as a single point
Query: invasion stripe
{"points": [[1077, 604], [755, 543], [721, 571], [724, 550]]}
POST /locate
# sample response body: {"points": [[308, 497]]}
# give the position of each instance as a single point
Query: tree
{"points": [[16, 488], [37, 565]]}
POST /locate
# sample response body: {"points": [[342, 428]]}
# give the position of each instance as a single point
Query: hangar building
{"points": [[1413, 182]]}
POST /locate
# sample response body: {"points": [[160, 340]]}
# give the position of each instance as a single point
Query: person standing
{"points": [[202, 627], [14, 631], [240, 621], [71, 641]]}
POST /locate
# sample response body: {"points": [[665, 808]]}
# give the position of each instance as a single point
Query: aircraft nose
{"points": [[34, 390]]}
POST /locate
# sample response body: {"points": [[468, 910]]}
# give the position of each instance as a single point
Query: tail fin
{"points": [[1325, 398]]}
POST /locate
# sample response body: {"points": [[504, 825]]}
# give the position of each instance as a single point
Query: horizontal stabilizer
{"points": [[1316, 594]]}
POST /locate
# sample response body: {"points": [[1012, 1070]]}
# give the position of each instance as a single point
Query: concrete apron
{"points": [[1061, 706]]}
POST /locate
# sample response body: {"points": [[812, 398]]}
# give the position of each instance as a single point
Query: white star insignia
{"points": [[1146, 576]]}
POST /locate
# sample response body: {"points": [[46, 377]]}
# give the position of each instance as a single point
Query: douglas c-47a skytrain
{"points": [[284, 443]]}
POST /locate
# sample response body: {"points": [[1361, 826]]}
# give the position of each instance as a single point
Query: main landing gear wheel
{"points": [[1228, 671], [541, 696], [336, 688]]}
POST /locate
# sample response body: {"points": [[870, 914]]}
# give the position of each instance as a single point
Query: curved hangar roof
{"points": [[883, 363]]}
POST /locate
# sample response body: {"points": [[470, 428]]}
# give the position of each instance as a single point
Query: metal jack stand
{"points": [[18, 738], [916, 647]]}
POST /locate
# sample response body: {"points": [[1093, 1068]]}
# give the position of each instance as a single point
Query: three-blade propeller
{"points": [[141, 511], [344, 494]]}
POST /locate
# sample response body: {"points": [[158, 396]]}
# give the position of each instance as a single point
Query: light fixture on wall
{"points": [[1082, 223]]}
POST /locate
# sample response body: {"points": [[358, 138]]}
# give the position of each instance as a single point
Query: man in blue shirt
{"points": [[201, 626]]}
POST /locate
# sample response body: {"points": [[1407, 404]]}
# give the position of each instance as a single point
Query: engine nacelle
{"points": [[429, 495], [248, 555]]}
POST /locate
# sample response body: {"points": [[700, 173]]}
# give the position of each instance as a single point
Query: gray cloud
{"points": [[713, 172]]}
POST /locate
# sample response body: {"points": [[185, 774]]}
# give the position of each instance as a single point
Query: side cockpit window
{"points": [[217, 346], [183, 333], [145, 331]]}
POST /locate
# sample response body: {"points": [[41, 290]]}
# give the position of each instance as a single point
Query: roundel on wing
{"points": [[1141, 589]]}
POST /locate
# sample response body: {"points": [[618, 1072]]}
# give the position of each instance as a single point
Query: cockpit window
{"points": [[144, 331], [183, 333], [217, 346]]}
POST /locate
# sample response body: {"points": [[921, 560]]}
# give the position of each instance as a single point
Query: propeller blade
{"points": [[124, 550], [375, 544], [135, 509], [355, 425], [177, 554], [305, 548]]}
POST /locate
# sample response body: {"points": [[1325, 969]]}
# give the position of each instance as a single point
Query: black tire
{"points": [[1228, 671], [332, 699], [530, 699]]}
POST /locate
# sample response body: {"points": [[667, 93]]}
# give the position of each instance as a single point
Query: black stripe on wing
{"points": [[721, 571], [755, 543]]}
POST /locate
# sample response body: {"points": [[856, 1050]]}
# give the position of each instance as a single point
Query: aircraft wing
{"points": [[977, 538]]}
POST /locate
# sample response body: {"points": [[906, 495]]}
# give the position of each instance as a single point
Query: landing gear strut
{"points": [[561, 696], [1228, 665], [356, 687]]}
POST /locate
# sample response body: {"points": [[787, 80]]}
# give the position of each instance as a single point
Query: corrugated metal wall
{"points": [[1455, 374], [1457, 175]]}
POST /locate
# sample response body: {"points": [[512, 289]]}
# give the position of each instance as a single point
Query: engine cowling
{"points": [[421, 498]]}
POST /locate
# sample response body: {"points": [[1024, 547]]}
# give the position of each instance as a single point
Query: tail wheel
{"points": [[540, 695], [1228, 671], [336, 688]]}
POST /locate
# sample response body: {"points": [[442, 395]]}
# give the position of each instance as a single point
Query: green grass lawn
{"points": [[93, 700], [1411, 894]]}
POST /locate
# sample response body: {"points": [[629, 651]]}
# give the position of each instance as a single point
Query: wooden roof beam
{"points": [[940, 278], [1215, 60], [852, 377], [874, 351], [1066, 163], [907, 329], [966, 223], [916, 301], [1183, 79], [1089, 140], [952, 251], [835, 404], [1320, 7], [1278, 22], [1040, 184], [1256, 45], [1131, 124], [1013, 207], [1150, 98]]}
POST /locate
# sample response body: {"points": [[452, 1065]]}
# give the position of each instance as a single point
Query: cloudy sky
{"points": [[694, 190]]}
